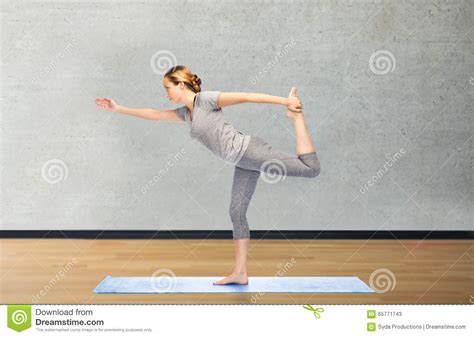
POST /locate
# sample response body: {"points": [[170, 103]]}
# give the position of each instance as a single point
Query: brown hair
{"points": [[178, 74]]}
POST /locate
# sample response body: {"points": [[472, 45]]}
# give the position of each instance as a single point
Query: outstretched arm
{"points": [[146, 113], [230, 98]]}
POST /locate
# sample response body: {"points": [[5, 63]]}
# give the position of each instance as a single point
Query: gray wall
{"points": [[387, 88]]}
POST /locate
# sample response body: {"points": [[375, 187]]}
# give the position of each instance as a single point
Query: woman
{"points": [[202, 110]]}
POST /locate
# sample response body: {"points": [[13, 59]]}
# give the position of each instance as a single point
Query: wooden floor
{"points": [[66, 271]]}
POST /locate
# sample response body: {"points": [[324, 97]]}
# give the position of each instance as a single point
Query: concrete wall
{"points": [[387, 88]]}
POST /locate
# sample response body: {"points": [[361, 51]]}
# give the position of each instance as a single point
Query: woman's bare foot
{"points": [[234, 278], [292, 114]]}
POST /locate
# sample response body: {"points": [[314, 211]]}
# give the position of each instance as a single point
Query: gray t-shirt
{"points": [[208, 126]]}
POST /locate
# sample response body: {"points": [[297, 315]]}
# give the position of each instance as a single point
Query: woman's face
{"points": [[173, 91]]}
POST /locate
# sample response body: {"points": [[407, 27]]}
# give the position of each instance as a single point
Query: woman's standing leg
{"points": [[259, 157], [243, 188]]}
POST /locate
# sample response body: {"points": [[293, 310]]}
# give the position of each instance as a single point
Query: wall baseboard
{"points": [[227, 234]]}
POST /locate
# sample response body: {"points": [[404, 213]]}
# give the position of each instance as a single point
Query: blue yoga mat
{"points": [[293, 284]]}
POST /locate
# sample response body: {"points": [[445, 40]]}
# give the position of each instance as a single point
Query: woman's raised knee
{"points": [[311, 160], [314, 172]]}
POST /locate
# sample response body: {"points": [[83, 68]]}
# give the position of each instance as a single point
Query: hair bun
{"points": [[196, 79]]}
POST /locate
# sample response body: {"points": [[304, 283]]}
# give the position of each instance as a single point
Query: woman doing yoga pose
{"points": [[251, 155]]}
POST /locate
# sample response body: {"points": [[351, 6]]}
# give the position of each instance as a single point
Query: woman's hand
{"points": [[146, 113], [294, 103], [107, 104]]}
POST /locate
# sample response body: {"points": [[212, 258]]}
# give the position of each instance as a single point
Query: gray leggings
{"points": [[260, 159]]}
